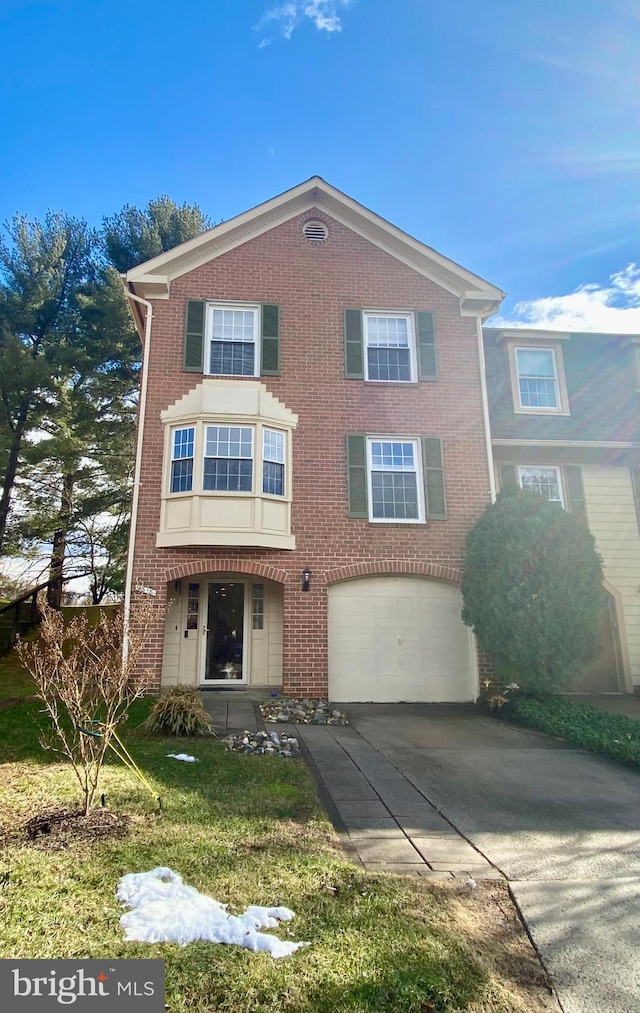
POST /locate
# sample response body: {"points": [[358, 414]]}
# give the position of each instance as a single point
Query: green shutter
{"points": [[194, 337], [270, 360], [508, 475], [574, 492], [353, 353], [434, 478], [357, 475], [427, 367]]}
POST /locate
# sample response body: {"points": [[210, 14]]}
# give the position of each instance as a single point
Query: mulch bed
{"points": [[56, 829]]}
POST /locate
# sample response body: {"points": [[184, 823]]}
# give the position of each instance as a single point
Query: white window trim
{"points": [[256, 309], [417, 449], [555, 348], [257, 460], [546, 467], [413, 359]]}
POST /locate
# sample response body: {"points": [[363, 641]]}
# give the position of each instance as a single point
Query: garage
{"points": [[399, 638]]}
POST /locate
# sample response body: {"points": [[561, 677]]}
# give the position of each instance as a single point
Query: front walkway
{"points": [[385, 823]]}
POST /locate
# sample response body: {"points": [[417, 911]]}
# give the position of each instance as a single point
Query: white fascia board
{"points": [[530, 334], [316, 193]]}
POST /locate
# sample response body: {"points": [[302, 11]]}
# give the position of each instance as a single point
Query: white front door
{"points": [[225, 633]]}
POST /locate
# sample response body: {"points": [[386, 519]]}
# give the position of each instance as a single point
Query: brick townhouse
{"points": [[313, 447]]}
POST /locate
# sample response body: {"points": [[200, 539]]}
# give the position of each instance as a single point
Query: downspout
{"points": [[138, 468], [485, 411]]}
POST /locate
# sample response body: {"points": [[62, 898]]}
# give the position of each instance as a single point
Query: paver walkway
{"points": [[231, 711], [387, 823]]}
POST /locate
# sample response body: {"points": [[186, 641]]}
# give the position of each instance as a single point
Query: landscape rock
{"points": [[308, 712], [263, 744]]}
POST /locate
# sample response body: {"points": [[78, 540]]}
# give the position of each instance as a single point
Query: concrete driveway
{"points": [[562, 824]]}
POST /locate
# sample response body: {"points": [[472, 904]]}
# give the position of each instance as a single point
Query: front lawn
{"points": [[248, 829]]}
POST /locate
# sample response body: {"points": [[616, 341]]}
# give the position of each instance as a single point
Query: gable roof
{"points": [[153, 278]]}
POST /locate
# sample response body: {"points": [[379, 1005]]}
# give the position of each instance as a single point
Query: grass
{"points": [[614, 735], [249, 829], [15, 681]]}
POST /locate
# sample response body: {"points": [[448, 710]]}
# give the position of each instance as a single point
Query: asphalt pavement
{"points": [[561, 824]]}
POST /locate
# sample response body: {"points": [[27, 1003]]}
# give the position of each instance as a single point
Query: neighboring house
{"points": [[565, 422], [313, 448]]}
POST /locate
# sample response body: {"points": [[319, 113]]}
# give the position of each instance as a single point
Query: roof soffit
{"points": [[318, 195]]}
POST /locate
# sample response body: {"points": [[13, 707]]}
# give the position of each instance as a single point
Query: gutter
{"points": [[485, 411], [132, 297]]}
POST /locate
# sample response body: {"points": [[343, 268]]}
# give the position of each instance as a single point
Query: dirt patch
{"points": [[56, 829], [12, 701], [488, 921]]}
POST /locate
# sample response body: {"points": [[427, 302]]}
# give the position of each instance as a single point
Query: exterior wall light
{"points": [[306, 578]]}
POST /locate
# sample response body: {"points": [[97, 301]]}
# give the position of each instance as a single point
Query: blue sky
{"points": [[502, 133]]}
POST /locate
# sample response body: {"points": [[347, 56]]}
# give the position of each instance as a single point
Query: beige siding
{"points": [[274, 613], [180, 659], [612, 519]]}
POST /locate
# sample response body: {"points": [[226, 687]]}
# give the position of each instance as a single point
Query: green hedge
{"points": [[612, 734]]}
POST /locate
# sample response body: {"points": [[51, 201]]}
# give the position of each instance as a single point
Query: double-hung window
{"points": [[545, 481], [182, 459], [233, 340], [395, 485], [273, 462], [390, 347], [537, 378], [228, 459]]}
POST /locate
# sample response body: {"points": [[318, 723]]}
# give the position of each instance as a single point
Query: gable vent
{"points": [[317, 232]]}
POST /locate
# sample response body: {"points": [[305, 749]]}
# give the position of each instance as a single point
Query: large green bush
{"points": [[532, 591]]}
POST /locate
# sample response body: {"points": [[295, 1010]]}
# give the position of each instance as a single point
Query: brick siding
{"points": [[313, 283]]}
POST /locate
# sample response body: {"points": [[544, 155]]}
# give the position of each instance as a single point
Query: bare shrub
{"points": [[86, 686]]}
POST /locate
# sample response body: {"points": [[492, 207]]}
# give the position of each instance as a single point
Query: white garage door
{"points": [[399, 638]]}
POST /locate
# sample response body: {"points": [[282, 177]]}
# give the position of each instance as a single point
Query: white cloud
{"points": [[613, 308], [285, 18]]}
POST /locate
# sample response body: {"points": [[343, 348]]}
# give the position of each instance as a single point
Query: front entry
{"points": [[224, 633]]}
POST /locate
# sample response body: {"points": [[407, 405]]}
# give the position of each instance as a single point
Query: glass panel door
{"points": [[224, 631]]}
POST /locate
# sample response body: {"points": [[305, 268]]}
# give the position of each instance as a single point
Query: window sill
{"points": [[553, 412]]}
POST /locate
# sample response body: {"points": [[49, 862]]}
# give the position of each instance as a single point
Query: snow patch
{"points": [[166, 910], [183, 756]]}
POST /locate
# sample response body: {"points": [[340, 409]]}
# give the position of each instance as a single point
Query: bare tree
{"points": [[85, 685]]}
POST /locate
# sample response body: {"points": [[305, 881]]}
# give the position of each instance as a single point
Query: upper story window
{"points": [[182, 460], [231, 339], [398, 479], [537, 378], [273, 462], [395, 484], [546, 481], [536, 369], [227, 467], [232, 333], [228, 459], [390, 346]]}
